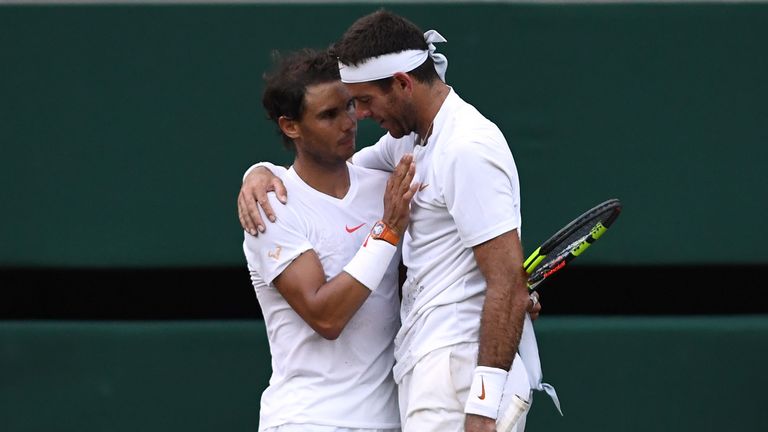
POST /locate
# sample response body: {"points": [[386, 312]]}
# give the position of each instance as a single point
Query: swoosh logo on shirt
{"points": [[482, 392], [353, 229], [422, 187]]}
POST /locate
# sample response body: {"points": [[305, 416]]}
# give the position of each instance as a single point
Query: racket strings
{"points": [[585, 230]]}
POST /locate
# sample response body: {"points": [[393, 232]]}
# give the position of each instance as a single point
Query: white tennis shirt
{"points": [[345, 382], [470, 194]]}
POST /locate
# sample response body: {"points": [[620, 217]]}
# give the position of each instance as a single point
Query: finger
{"points": [[241, 219], [279, 188], [409, 175], [245, 221], [403, 166], [390, 185], [403, 182], [536, 309], [534, 297], [409, 194], [395, 179], [251, 210], [263, 201]]}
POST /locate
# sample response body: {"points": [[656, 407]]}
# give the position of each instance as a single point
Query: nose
{"points": [[362, 112], [350, 121]]}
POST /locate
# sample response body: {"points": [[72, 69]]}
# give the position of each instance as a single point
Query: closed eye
{"points": [[329, 114]]}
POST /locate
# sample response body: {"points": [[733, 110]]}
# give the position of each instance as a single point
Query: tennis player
{"points": [[325, 280], [465, 299]]}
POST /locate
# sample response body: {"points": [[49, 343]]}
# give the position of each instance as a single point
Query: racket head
{"points": [[570, 241]]}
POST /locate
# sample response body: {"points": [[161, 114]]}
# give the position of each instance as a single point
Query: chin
{"points": [[348, 154]]}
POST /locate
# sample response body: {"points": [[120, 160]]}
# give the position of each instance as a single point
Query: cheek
{"points": [[380, 109], [393, 107]]}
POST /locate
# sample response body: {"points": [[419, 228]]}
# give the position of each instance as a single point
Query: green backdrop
{"points": [[612, 374], [124, 130]]}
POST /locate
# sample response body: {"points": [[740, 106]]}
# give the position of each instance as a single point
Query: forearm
{"points": [[334, 303], [506, 299], [501, 322], [370, 157], [384, 154], [327, 306]]}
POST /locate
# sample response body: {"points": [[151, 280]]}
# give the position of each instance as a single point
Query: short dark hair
{"points": [[383, 32], [286, 85]]}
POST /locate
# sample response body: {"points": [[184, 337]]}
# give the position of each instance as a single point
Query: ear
{"points": [[289, 127], [403, 81]]}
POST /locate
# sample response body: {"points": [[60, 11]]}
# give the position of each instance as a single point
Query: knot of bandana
{"points": [[440, 60]]}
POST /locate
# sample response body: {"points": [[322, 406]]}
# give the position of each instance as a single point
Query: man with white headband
{"points": [[463, 311]]}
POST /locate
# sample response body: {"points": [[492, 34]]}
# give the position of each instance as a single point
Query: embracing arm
{"points": [[260, 179], [382, 156], [257, 181]]}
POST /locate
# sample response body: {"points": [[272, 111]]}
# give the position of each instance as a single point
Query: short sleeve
{"points": [[384, 155], [273, 250], [277, 170], [481, 189]]}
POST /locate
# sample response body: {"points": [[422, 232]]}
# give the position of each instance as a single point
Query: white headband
{"points": [[384, 66]]}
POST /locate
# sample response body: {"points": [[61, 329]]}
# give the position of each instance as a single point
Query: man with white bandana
{"points": [[465, 299]]}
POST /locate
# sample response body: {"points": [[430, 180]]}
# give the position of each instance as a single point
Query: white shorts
{"points": [[318, 428], [433, 394]]}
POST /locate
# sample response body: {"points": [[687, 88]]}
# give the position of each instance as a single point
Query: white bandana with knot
{"points": [[386, 65]]}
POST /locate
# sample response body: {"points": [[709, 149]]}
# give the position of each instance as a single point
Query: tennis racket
{"points": [[551, 257], [571, 241]]}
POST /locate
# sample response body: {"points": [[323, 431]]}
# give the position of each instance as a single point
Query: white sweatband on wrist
{"points": [[486, 391], [268, 165], [371, 262]]}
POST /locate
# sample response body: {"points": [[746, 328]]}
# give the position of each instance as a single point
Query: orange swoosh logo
{"points": [[353, 229], [482, 392], [422, 187]]}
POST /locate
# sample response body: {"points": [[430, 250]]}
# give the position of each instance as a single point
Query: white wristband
{"points": [[485, 394], [268, 165], [371, 262]]}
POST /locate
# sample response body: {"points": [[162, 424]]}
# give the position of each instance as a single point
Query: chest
{"points": [[336, 232]]}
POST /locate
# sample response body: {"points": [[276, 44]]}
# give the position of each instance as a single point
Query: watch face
{"points": [[377, 229]]}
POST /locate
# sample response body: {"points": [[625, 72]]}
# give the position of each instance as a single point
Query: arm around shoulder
{"points": [[259, 179]]}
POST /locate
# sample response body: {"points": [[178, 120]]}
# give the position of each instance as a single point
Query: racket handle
{"points": [[508, 420]]}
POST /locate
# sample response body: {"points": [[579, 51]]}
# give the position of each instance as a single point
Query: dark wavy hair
{"points": [[286, 85], [383, 32]]}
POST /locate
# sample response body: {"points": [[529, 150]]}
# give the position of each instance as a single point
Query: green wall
{"points": [[124, 130], [612, 374]]}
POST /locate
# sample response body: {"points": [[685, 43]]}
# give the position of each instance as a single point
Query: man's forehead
{"points": [[322, 95], [363, 89], [323, 87]]}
